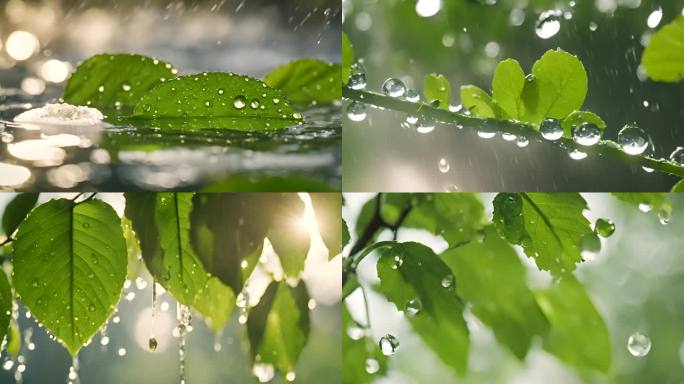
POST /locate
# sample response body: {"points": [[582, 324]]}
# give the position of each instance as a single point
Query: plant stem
{"points": [[605, 147]]}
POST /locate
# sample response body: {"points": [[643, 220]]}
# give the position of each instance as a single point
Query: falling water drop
{"points": [[290, 376], [638, 344], [444, 165], [604, 227], [388, 345], [587, 134], [632, 139], [356, 111], [73, 371], [548, 23], [184, 318], [393, 87], [551, 129], [152, 342], [125, 87]]}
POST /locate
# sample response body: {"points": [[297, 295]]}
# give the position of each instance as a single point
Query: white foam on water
{"points": [[66, 114]]}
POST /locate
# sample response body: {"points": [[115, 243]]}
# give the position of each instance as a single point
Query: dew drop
{"points": [[388, 345], [357, 81], [604, 227], [121, 352], [220, 91], [587, 134], [398, 262], [576, 154], [239, 102], [393, 87], [372, 366], [100, 88], [444, 165], [125, 87], [551, 129], [355, 332], [448, 281], [638, 344], [413, 307], [290, 376], [522, 142], [632, 140]]}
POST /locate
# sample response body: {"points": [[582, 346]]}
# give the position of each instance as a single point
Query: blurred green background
{"points": [[464, 40], [636, 283]]}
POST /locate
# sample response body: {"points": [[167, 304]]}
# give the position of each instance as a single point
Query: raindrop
{"points": [[522, 142], [412, 96], [654, 18], [664, 216], [551, 129], [425, 125], [355, 332], [263, 372], [576, 154], [508, 136], [239, 102], [587, 134], [444, 165], [356, 111], [398, 262], [604, 227], [357, 81], [678, 156], [242, 299], [448, 281], [125, 87], [638, 344], [183, 316], [413, 307], [152, 343], [122, 352], [388, 345], [220, 91], [593, 26], [372, 366], [290, 376], [394, 87], [548, 23], [487, 129], [590, 245], [100, 88], [632, 139], [254, 104]]}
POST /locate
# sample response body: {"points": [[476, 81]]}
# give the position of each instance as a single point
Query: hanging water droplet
{"points": [[425, 125], [587, 134], [412, 96], [413, 307], [548, 23], [239, 102], [444, 165], [590, 245], [604, 227], [638, 344], [393, 87], [508, 136], [576, 154], [487, 129], [263, 372], [632, 139], [411, 120], [372, 366], [355, 332], [290, 376], [242, 299], [664, 216], [522, 142], [356, 111], [388, 345], [152, 343], [645, 207], [357, 81], [677, 156], [551, 129]]}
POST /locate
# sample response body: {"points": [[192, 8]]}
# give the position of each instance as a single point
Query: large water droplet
{"points": [[587, 134], [263, 372], [357, 81], [632, 139], [604, 227], [356, 111], [444, 165], [413, 307], [677, 156], [372, 366], [548, 23], [425, 125], [239, 102], [412, 96], [393, 87], [638, 344], [388, 345], [551, 129]]}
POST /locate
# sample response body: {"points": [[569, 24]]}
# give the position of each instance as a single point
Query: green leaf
{"points": [[347, 58], [345, 234], [578, 334], [549, 226], [70, 266], [328, 210], [656, 202], [307, 81], [365, 216], [278, 327], [355, 354], [437, 88], [16, 211], [578, 118], [418, 278], [5, 305], [13, 339], [289, 238], [663, 58], [162, 222], [490, 276], [679, 187], [507, 87], [478, 102], [558, 87], [216, 100], [118, 81]]}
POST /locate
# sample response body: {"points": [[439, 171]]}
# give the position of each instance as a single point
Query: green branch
{"points": [[605, 147]]}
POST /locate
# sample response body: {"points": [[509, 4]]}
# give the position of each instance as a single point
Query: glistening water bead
{"points": [[551, 129], [587, 134], [388, 345], [604, 227], [639, 344], [357, 81], [393, 87], [677, 156], [632, 140], [356, 111]]}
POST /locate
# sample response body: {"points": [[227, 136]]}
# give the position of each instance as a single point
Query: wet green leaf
{"points": [[437, 88], [549, 226], [656, 202], [328, 210], [5, 305], [478, 102], [16, 211], [347, 58], [679, 187], [490, 276], [418, 277], [307, 81], [70, 266], [217, 100], [289, 238], [578, 118], [558, 87], [507, 87], [268, 184], [663, 58], [118, 81], [356, 354], [278, 327], [578, 335]]}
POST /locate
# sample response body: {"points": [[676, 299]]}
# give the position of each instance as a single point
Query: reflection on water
{"points": [[113, 157]]}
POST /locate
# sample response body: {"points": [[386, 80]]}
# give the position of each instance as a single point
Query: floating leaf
{"points": [[418, 278], [216, 100], [328, 210], [478, 102], [578, 118], [278, 327], [16, 211], [437, 88], [307, 81], [578, 334], [490, 276], [507, 87], [347, 58], [5, 305], [70, 266], [358, 354], [549, 226], [663, 58], [118, 81]]}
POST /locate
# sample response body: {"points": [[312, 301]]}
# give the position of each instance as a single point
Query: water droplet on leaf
{"points": [[587, 134], [632, 140], [604, 227], [388, 345], [638, 344], [551, 129]]}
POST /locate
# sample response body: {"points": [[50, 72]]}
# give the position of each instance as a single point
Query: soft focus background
{"points": [[210, 359], [635, 282], [42, 41], [464, 40]]}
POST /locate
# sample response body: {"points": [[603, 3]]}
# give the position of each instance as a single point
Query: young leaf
{"points": [[578, 334], [278, 327], [507, 87], [663, 58], [347, 58], [16, 211], [437, 88], [307, 81], [328, 210], [357, 353], [115, 81], [490, 276], [411, 275], [549, 226], [578, 118], [558, 87], [656, 202], [216, 100], [70, 266], [478, 102], [5, 305]]}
